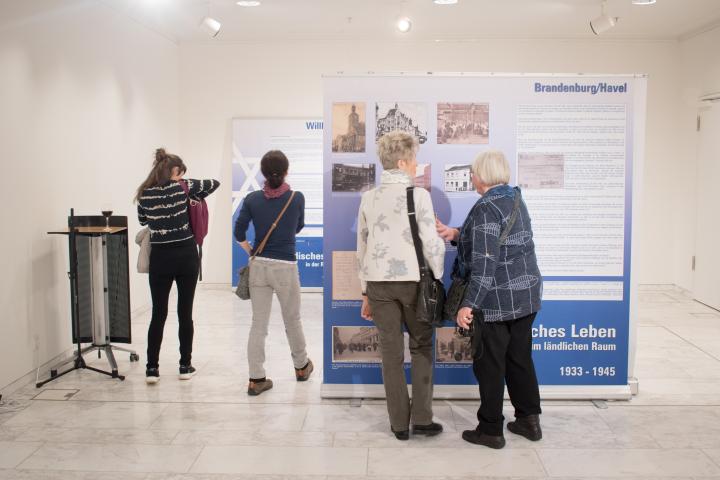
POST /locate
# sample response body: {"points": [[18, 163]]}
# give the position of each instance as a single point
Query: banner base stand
{"points": [[470, 392]]}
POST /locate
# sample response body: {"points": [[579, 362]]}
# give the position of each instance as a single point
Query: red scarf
{"points": [[275, 192]]}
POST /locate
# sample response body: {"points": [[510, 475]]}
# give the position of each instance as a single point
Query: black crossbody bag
{"points": [[431, 292], [456, 293]]}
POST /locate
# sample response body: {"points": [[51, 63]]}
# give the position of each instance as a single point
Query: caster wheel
{"points": [[134, 357]]}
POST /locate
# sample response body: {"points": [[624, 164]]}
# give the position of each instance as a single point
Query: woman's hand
{"points": [[246, 246], [446, 233], [464, 317], [365, 311]]}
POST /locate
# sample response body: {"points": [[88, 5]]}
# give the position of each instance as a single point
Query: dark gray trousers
{"points": [[393, 305]]}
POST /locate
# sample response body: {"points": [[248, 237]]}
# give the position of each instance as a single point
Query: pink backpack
{"points": [[199, 219]]}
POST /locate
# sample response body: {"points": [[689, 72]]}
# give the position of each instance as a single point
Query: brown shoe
{"points": [[256, 388], [302, 374]]}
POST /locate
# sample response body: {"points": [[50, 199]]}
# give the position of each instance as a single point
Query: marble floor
{"points": [[85, 426]]}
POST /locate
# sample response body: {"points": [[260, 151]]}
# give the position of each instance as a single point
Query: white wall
{"points": [[220, 81], [85, 97], [699, 75]]}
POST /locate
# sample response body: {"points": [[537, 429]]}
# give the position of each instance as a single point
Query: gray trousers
{"points": [[266, 278], [393, 305]]}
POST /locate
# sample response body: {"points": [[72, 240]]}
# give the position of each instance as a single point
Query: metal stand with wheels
{"points": [[97, 307]]}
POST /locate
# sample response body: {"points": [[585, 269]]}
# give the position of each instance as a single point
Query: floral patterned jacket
{"points": [[385, 249]]}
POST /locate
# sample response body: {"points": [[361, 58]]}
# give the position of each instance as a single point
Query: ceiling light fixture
{"points": [[604, 22], [211, 25], [404, 24], [643, 2], [445, 2], [248, 3]]}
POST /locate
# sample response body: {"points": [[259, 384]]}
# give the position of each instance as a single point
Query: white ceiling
{"points": [[280, 20]]}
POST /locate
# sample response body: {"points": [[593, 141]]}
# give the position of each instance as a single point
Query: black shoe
{"points": [[152, 376], [528, 427], [186, 372], [479, 438], [402, 434], [428, 430]]}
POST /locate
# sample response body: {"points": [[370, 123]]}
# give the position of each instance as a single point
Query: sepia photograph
{"points": [[457, 178], [410, 117], [353, 177], [348, 127], [360, 345], [345, 277], [423, 177], [463, 123], [451, 347], [541, 170]]}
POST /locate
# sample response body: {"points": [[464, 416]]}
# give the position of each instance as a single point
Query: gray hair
{"points": [[492, 168], [395, 146]]}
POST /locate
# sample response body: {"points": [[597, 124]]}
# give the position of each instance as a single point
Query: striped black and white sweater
{"points": [[164, 208]]}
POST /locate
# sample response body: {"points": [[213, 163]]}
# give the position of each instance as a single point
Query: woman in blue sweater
{"points": [[274, 269]]}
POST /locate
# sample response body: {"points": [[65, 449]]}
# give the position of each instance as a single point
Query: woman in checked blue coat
{"points": [[502, 299]]}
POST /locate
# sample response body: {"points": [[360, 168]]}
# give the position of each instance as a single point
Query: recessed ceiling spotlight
{"points": [[643, 2], [445, 2], [211, 25], [404, 24], [248, 3]]}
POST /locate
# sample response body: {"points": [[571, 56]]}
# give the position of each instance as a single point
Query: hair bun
{"points": [[160, 155]]}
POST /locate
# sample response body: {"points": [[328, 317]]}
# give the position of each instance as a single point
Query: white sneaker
{"points": [[186, 372], [152, 376]]}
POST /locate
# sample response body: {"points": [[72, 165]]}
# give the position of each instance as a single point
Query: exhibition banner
{"points": [[573, 143], [301, 141]]}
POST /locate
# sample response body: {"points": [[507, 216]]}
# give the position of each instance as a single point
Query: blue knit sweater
{"points": [[263, 212], [504, 280]]}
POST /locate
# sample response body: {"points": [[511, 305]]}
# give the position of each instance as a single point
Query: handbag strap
{"points": [[513, 217], [417, 243], [272, 227]]}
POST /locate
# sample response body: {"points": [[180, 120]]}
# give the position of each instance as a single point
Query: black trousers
{"points": [[506, 359], [173, 262]]}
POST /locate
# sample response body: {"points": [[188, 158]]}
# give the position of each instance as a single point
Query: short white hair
{"points": [[395, 146], [492, 168]]}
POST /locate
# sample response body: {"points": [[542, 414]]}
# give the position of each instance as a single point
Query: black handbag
{"points": [[431, 292], [456, 293]]}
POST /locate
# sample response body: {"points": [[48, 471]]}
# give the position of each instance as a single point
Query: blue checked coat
{"points": [[504, 280]]}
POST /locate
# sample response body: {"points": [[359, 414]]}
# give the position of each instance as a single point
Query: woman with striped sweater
{"points": [[163, 206]]}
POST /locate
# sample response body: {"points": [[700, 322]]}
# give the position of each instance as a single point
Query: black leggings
{"points": [[174, 262]]}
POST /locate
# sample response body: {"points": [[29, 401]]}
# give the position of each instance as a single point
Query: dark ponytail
{"points": [[161, 171], [274, 167]]}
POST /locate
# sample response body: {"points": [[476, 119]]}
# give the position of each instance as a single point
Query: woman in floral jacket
{"points": [[389, 274]]}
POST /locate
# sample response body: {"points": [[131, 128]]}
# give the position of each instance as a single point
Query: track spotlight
{"points": [[404, 25], [603, 23], [211, 25]]}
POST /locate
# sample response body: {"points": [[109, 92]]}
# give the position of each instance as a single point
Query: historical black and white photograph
{"points": [[360, 345], [353, 177], [541, 170], [457, 178], [423, 177], [410, 117], [348, 127], [451, 347], [463, 123]]}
